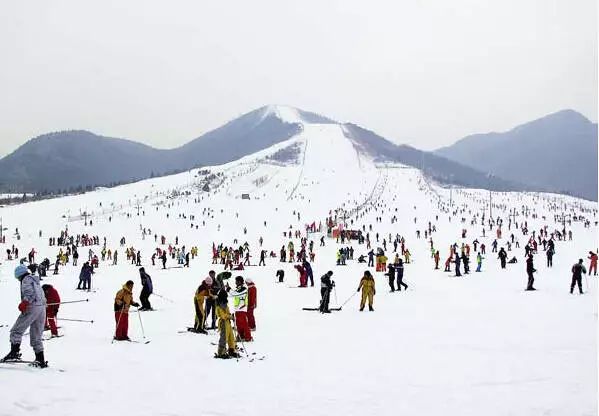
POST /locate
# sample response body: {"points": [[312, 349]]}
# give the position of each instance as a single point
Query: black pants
{"points": [[531, 280], [311, 278], [457, 271], [370, 262], [549, 262], [503, 264], [211, 307], [400, 282], [144, 298], [576, 280], [392, 281], [325, 295]]}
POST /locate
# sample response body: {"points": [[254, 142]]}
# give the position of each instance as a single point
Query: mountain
{"points": [[557, 152], [71, 159], [439, 168], [75, 160]]}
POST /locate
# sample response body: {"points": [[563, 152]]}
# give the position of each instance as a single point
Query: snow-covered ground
{"points": [[475, 345]]}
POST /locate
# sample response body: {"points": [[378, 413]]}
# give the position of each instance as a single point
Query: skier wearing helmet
{"points": [[33, 316]]}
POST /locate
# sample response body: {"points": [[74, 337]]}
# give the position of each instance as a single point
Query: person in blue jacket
{"points": [[146, 290]]}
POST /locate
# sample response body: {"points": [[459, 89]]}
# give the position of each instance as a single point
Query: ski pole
{"points": [[141, 323], [70, 301], [586, 279], [162, 297], [76, 320], [335, 293], [348, 299]]}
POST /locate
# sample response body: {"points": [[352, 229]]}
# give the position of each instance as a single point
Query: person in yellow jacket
{"points": [[199, 300], [227, 339], [368, 290], [122, 301]]}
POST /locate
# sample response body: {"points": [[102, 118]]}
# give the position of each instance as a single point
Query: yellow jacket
{"points": [[367, 284], [123, 299]]}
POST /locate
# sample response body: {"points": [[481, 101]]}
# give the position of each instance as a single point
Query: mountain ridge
{"points": [[63, 160]]}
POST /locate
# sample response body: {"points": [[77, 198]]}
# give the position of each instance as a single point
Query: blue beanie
{"points": [[20, 271]]}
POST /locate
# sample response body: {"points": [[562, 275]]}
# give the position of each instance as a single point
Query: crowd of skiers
{"points": [[39, 304]]}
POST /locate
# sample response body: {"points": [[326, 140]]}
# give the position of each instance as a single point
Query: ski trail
{"points": [[301, 173]]}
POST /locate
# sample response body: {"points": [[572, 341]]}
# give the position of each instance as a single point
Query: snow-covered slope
{"points": [[477, 345]]}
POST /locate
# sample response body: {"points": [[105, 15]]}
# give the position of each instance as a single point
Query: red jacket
{"points": [[52, 296], [252, 296]]}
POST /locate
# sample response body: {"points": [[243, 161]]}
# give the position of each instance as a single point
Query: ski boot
{"points": [[233, 353], [371, 309], [14, 353], [39, 360], [222, 355]]}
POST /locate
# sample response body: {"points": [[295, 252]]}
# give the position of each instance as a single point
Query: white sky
{"points": [[419, 72]]}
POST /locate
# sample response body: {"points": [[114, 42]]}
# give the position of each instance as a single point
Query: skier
{"points": [[502, 255], [252, 303], [458, 261], [367, 286], [280, 275], [33, 316], [163, 258], [52, 305], [240, 302], [326, 285], [479, 262], [213, 287], [227, 339], [122, 301], [577, 270], [309, 273], [399, 272], [85, 277], [391, 275], [147, 288], [593, 265], [530, 269], [202, 293], [549, 254]]}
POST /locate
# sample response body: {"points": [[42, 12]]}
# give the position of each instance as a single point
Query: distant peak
{"points": [[285, 113]]}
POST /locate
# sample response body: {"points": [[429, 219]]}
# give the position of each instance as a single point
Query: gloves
{"points": [[135, 304], [23, 306]]}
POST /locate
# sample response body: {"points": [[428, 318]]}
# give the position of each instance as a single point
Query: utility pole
{"points": [[490, 205]]}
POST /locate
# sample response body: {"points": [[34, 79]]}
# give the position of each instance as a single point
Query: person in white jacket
{"points": [[33, 316]]}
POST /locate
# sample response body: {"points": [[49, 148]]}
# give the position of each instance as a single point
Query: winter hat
{"points": [[239, 280], [249, 281], [208, 280], [20, 271]]}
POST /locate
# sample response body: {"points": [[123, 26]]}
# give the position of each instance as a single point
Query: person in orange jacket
{"points": [[252, 303], [122, 301]]}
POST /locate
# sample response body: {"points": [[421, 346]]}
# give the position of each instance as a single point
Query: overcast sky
{"points": [[419, 72]]}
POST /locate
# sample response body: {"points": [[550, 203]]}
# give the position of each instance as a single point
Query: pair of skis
{"points": [[32, 364]]}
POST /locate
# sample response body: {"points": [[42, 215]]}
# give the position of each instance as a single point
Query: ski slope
{"points": [[475, 345]]}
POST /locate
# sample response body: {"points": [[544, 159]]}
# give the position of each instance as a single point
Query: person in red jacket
{"points": [[303, 275], [52, 304], [593, 265], [252, 293]]}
